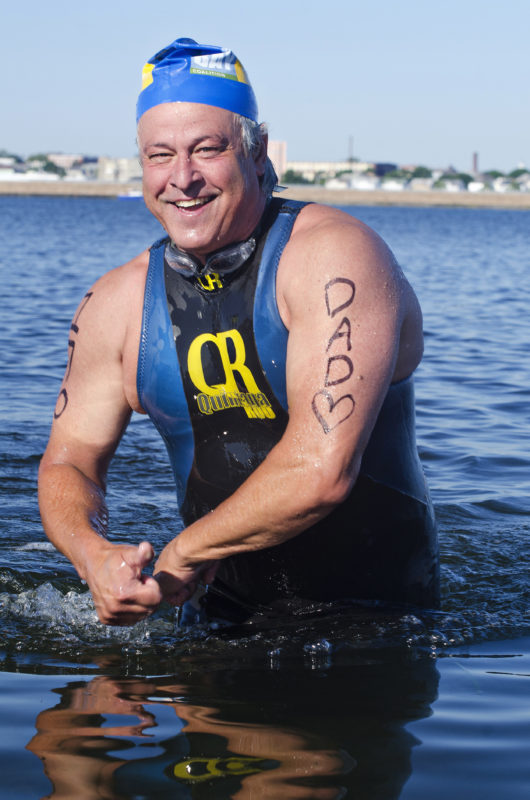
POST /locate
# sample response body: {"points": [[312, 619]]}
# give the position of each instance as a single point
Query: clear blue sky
{"points": [[411, 82]]}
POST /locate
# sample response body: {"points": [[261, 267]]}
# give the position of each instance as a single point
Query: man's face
{"points": [[197, 181]]}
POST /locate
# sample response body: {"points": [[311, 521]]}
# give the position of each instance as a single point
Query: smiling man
{"points": [[273, 344]]}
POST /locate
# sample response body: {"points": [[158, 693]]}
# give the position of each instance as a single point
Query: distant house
{"points": [[503, 184], [120, 170], [393, 184], [420, 184], [7, 172], [523, 181], [448, 184], [89, 168], [65, 160], [337, 183], [75, 175], [364, 182]]}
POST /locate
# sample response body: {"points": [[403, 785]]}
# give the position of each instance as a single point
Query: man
{"points": [[272, 344]]}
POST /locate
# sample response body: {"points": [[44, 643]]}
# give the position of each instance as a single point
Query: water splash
{"points": [[62, 624]]}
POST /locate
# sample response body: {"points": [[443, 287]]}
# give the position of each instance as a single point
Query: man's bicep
{"points": [[91, 411], [344, 336], [86, 431]]}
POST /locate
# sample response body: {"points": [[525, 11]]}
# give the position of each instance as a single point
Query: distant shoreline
{"points": [[318, 194], [68, 188], [378, 197]]}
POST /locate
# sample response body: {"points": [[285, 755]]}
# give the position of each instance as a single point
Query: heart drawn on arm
{"points": [[331, 413]]}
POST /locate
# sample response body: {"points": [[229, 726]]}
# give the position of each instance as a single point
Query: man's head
{"points": [[204, 155]]}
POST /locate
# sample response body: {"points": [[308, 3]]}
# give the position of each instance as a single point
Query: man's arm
{"points": [[90, 417], [354, 326]]}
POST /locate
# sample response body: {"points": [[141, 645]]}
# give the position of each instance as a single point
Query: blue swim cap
{"points": [[188, 72]]}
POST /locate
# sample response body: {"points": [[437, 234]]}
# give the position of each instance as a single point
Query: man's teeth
{"points": [[198, 201]]}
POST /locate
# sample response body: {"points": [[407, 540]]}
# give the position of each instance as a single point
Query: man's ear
{"points": [[260, 159]]}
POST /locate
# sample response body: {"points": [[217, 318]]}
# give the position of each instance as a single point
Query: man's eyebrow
{"points": [[221, 138], [156, 144]]}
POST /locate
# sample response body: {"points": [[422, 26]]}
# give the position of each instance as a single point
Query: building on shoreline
{"points": [[119, 170]]}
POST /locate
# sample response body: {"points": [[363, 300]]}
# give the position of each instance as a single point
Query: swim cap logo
{"points": [[219, 65], [231, 349]]}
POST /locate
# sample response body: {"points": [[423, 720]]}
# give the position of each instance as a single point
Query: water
{"points": [[353, 705]]}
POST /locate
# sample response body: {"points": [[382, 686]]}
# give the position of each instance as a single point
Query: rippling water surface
{"points": [[373, 705]]}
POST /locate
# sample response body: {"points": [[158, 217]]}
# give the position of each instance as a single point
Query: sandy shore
{"points": [[67, 188], [345, 197], [351, 197]]}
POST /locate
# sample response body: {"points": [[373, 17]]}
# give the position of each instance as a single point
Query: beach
{"points": [[315, 194]]}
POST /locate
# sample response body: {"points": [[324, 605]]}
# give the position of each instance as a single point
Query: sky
{"points": [[408, 82]]}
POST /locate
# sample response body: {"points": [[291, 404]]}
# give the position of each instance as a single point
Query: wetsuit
{"points": [[211, 375]]}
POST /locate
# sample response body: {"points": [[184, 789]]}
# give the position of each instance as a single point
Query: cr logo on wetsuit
{"points": [[231, 350]]}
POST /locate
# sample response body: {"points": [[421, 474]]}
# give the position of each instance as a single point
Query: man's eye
{"points": [[209, 150], [159, 158]]}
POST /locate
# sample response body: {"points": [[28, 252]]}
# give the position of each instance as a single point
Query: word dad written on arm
{"points": [[332, 411], [62, 400]]}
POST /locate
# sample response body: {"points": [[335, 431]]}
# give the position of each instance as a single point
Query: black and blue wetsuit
{"points": [[211, 376]]}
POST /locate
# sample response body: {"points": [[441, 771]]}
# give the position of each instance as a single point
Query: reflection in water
{"points": [[278, 734]]}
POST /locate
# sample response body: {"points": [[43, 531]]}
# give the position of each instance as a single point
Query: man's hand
{"points": [[178, 577], [122, 594]]}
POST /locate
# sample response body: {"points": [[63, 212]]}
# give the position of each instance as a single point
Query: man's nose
{"points": [[184, 173]]}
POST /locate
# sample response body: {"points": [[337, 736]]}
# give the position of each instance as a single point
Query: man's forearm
{"points": [[282, 498], [74, 516], [74, 513], [254, 518]]}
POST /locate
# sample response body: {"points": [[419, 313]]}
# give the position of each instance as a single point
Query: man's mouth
{"points": [[196, 202]]}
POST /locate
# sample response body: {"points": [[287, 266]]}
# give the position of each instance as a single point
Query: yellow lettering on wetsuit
{"points": [[227, 394], [210, 281]]}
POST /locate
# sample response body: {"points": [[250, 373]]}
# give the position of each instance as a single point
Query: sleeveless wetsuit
{"points": [[211, 375]]}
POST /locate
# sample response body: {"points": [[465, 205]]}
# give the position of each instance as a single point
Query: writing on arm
{"points": [[62, 400], [332, 408]]}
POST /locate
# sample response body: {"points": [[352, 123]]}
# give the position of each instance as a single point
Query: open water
{"points": [[371, 706]]}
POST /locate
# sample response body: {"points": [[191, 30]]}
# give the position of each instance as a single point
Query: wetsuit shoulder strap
{"points": [[270, 332], [154, 290], [278, 234]]}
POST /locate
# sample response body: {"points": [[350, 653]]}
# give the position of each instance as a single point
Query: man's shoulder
{"points": [[323, 234], [126, 275], [318, 214], [329, 246], [120, 287], [114, 298], [323, 229]]}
